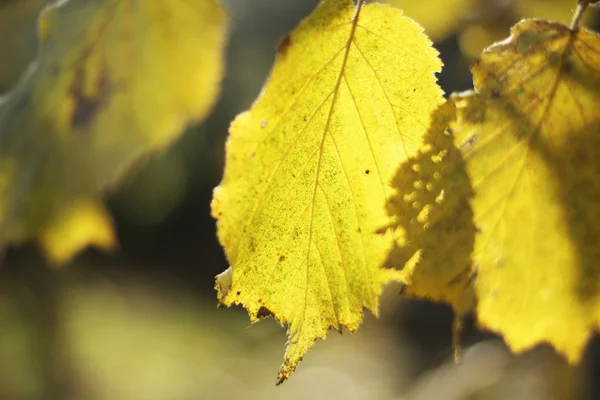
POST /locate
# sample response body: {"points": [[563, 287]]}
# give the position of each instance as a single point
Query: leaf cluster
{"points": [[491, 196], [348, 172]]}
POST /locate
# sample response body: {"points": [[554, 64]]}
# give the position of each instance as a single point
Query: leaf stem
{"points": [[359, 6], [582, 5], [457, 328]]}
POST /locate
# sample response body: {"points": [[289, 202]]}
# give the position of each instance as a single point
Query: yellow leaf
{"points": [[530, 136], [115, 81], [308, 170], [430, 205], [440, 18], [74, 228]]}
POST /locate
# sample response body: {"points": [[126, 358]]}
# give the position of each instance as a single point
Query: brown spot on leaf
{"points": [[281, 258], [367, 171], [87, 104], [238, 293], [264, 312], [284, 45]]}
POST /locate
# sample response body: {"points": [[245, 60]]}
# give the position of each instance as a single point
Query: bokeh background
{"points": [[142, 324]]}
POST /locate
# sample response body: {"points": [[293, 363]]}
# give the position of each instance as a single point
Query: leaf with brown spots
{"points": [[115, 81], [303, 196]]}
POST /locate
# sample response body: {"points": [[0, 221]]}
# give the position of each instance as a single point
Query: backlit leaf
{"points": [[530, 137], [440, 18], [115, 80], [430, 205], [309, 166]]}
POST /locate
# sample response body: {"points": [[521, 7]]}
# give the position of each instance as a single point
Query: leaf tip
{"points": [[287, 368], [85, 223]]}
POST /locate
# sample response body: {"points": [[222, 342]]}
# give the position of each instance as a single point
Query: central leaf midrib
{"points": [[322, 143]]}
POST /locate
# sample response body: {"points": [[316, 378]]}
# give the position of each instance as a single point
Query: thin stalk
{"points": [[582, 5], [359, 6]]}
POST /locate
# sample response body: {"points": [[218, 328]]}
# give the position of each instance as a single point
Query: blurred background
{"points": [[143, 324]]}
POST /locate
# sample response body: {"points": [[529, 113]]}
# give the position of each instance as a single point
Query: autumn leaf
{"points": [[440, 18], [530, 137], [309, 166], [115, 81], [430, 206]]}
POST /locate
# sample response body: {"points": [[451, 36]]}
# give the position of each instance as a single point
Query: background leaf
{"points": [[119, 84], [440, 18], [531, 142]]}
